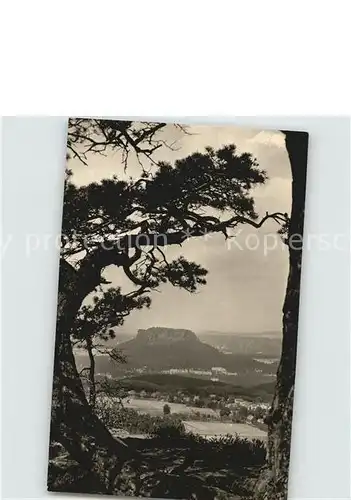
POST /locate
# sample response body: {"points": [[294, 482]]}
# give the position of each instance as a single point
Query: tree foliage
{"points": [[129, 222], [87, 136], [106, 311], [166, 409]]}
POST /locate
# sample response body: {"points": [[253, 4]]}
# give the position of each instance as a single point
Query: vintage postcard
{"points": [[178, 301]]}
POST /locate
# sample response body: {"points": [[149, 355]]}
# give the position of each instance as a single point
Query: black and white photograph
{"points": [[177, 313]]}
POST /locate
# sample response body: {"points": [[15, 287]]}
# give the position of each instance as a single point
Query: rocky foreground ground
{"points": [[185, 469]]}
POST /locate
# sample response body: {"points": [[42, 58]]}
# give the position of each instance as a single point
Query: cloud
{"points": [[269, 138]]}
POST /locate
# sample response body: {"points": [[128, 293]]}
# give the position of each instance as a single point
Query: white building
{"points": [[218, 370]]}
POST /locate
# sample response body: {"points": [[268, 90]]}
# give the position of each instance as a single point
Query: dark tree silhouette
{"points": [[166, 409], [128, 224], [274, 483], [94, 326], [224, 412], [86, 136]]}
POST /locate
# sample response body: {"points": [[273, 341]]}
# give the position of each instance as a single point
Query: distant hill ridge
{"points": [[270, 334], [161, 348]]}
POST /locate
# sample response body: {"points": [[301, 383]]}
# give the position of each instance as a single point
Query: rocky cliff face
{"points": [[160, 335], [161, 348]]}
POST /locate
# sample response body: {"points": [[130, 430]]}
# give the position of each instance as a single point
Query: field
{"points": [[155, 407], [205, 429], [216, 429]]}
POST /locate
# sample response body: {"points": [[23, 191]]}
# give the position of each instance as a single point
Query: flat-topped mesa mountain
{"points": [[164, 348], [160, 335], [161, 349]]}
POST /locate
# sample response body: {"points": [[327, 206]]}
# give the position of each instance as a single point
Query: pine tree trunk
{"points": [[92, 385], [73, 422], [274, 482]]}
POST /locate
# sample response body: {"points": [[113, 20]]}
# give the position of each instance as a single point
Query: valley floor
{"points": [[205, 429]]}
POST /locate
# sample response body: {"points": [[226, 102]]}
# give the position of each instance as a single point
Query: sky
{"points": [[245, 284]]}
